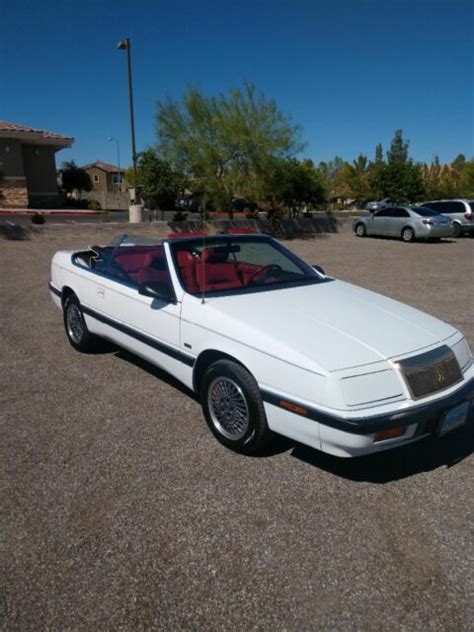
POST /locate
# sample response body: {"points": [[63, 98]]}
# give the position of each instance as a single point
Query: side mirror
{"points": [[158, 289], [319, 269]]}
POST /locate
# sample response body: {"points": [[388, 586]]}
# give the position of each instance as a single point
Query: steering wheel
{"points": [[265, 272]]}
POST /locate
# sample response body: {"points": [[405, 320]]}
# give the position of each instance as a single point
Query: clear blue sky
{"points": [[349, 72]]}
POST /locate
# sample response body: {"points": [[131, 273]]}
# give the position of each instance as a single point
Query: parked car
{"points": [[377, 205], [187, 203], [460, 212], [269, 342], [406, 222]]}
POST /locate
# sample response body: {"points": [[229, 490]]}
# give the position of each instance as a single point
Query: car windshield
{"points": [[424, 211], [238, 264]]}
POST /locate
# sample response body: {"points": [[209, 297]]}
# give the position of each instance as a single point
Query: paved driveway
{"points": [[121, 511]]}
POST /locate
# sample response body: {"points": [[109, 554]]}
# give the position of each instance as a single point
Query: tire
{"points": [[76, 329], [457, 232], [233, 407], [360, 230], [408, 234]]}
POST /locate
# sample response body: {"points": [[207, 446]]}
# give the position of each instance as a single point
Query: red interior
{"points": [[209, 272], [213, 271], [143, 263]]}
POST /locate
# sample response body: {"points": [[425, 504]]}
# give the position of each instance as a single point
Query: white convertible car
{"points": [[269, 342]]}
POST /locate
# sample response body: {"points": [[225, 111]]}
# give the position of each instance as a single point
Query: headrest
{"points": [[214, 255], [185, 258]]}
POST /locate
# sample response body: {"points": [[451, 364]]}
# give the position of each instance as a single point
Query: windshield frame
{"points": [[311, 277]]}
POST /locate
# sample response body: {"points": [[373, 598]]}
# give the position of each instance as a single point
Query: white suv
{"points": [[460, 212]]}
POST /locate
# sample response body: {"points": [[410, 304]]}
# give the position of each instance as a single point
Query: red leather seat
{"points": [[215, 272], [133, 259], [187, 266], [154, 268]]}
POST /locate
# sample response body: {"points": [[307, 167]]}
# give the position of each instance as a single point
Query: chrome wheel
{"points": [[408, 234], [74, 322], [360, 230], [228, 408]]}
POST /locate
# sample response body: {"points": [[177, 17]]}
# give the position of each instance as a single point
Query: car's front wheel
{"points": [[233, 407], [408, 234], [360, 230], [76, 328]]}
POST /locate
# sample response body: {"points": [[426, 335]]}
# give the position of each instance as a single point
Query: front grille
{"points": [[431, 372]]}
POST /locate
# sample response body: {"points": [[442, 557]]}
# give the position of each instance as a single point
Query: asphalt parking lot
{"points": [[121, 511]]}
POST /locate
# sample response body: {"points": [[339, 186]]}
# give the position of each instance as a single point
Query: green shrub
{"points": [[38, 218], [179, 216], [94, 205]]}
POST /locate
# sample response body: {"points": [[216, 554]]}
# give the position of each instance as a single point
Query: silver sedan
{"points": [[406, 222]]}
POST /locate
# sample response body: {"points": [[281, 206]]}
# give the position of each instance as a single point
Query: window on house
{"points": [[96, 177], [116, 178]]}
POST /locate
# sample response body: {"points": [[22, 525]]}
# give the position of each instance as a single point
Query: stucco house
{"points": [[28, 166], [105, 177]]}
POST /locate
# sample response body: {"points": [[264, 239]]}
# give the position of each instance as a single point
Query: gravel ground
{"points": [[121, 511]]}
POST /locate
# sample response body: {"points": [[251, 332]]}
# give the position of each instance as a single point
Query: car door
{"points": [[378, 222], [148, 327], [397, 221]]}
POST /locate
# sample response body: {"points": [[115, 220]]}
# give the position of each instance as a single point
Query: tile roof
{"points": [[105, 166], [5, 126]]}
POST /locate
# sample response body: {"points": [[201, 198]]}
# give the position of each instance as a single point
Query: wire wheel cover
{"points": [[228, 408], [75, 327]]}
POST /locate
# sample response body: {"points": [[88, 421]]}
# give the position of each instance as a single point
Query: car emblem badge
{"points": [[440, 376]]}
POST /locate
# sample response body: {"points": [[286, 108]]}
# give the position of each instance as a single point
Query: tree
{"points": [[334, 178], [379, 154], [357, 177], [466, 181], [225, 144], [73, 178], [158, 183], [399, 179], [295, 184]]}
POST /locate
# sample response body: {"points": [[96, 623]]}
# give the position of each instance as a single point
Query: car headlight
{"points": [[370, 388]]}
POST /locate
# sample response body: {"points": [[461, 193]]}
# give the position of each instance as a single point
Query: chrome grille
{"points": [[430, 372]]}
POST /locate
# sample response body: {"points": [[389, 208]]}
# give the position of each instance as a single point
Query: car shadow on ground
{"points": [[441, 240], [422, 456]]}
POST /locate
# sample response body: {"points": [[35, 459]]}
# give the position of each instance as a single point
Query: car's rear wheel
{"points": [[408, 234], [457, 231], [360, 230], [76, 328], [233, 407]]}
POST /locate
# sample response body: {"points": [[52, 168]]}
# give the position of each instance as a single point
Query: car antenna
{"points": [[203, 263]]}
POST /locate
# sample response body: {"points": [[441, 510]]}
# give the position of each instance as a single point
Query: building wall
{"points": [[13, 193], [113, 187], [105, 182], [40, 169], [101, 184], [11, 158]]}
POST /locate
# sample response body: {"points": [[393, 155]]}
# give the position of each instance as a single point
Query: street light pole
{"points": [[125, 45], [111, 138]]}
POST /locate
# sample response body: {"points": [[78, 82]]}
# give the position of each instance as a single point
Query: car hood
{"points": [[325, 327]]}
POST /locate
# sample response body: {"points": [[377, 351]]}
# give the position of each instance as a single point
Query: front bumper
{"points": [[346, 436]]}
